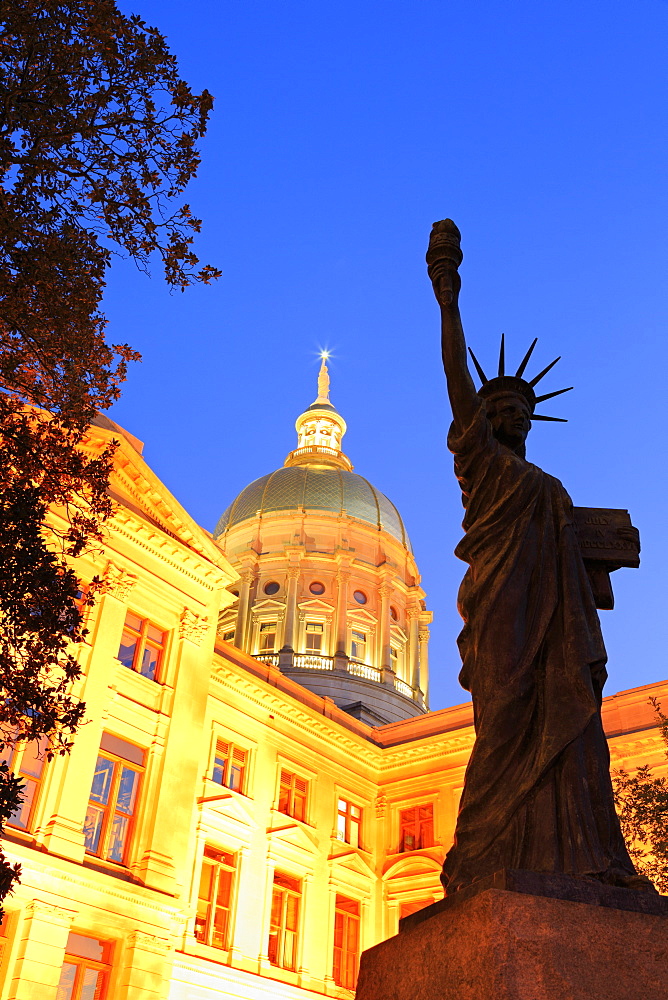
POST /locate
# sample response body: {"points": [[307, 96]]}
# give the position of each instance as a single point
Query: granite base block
{"points": [[509, 945]]}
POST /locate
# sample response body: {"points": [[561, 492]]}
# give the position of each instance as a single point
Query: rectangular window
{"points": [[267, 637], [229, 636], [85, 971], [113, 799], [142, 647], [349, 821], [284, 925], [229, 766], [358, 646], [416, 828], [212, 923], [396, 659], [314, 633], [26, 761], [346, 942], [292, 795]]}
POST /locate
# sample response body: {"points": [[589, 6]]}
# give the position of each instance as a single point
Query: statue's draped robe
{"points": [[537, 793]]}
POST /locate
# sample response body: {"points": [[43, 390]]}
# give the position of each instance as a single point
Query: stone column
{"points": [[424, 659], [290, 610], [413, 616], [62, 831], [174, 769], [41, 952], [242, 638], [342, 579], [385, 592], [147, 969]]}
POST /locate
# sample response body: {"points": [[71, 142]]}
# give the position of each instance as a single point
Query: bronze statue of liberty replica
{"points": [[537, 794]]}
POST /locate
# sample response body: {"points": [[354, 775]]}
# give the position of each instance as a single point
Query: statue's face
{"points": [[510, 418]]}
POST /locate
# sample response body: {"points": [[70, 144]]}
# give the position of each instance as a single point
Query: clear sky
{"points": [[340, 132]]}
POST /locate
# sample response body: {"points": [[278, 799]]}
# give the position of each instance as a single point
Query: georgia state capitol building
{"points": [[259, 792]]}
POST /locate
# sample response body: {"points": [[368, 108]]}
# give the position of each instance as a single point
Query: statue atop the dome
{"points": [[537, 793], [323, 379]]}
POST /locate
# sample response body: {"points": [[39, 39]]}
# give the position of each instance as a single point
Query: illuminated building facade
{"points": [[237, 820]]}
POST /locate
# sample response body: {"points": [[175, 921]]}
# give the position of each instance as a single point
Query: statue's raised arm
{"points": [[443, 258]]}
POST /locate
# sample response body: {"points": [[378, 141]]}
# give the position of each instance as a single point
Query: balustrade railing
{"points": [[270, 658], [313, 661], [364, 670], [403, 688]]}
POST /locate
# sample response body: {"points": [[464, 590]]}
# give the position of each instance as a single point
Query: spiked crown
{"points": [[517, 385]]}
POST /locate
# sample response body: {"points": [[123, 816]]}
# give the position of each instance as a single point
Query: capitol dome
{"points": [[311, 488], [329, 590]]}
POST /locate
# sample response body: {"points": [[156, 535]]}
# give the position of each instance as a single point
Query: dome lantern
{"points": [[320, 430]]}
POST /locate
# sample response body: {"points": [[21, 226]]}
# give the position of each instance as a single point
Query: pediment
{"points": [[361, 616], [266, 607], [352, 862], [229, 806], [396, 630], [316, 606], [293, 836]]}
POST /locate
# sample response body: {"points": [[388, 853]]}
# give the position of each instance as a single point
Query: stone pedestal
{"points": [[515, 937]]}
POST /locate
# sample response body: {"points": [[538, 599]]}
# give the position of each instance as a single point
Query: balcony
{"points": [[339, 664]]}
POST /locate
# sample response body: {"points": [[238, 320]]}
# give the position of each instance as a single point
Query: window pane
{"points": [[201, 919], [220, 760], [155, 635], [134, 622], [86, 947], [289, 950], [91, 986], [224, 888], [21, 816], [104, 771], [149, 662], [93, 828], [267, 642], [206, 881], [66, 983], [32, 762], [126, 650], [292, 913], [121, 748], [299, 806], [126, 790], [237, 769], [119, 830], [341, 827], [354, 833], [219, 932]]}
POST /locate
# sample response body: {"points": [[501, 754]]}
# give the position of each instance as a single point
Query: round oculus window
{"points": [[272, 587], [360, 596], [317, 587]]}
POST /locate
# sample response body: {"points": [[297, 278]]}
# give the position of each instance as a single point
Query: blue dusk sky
{"points": [[340, 132]]}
